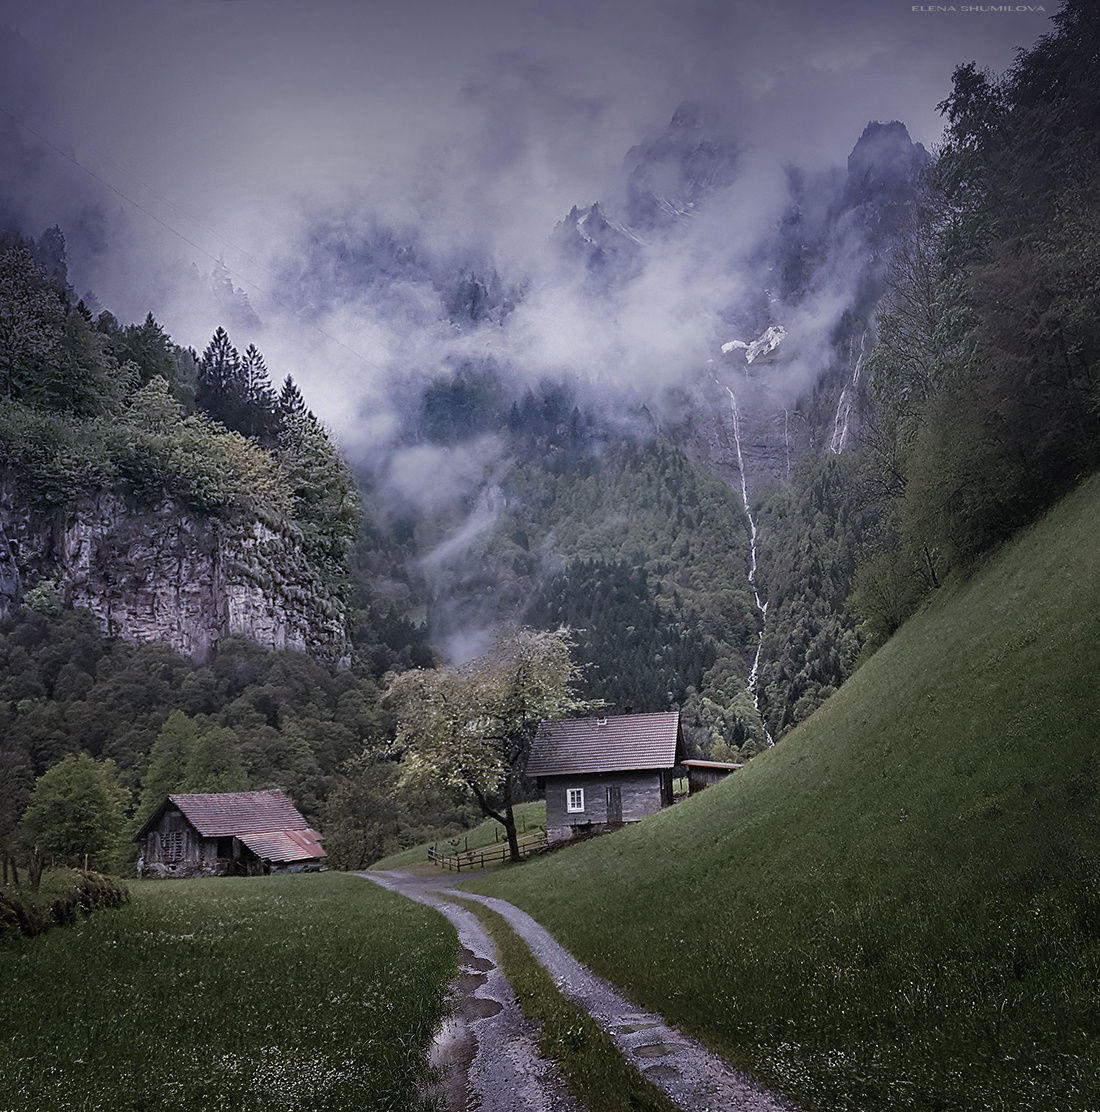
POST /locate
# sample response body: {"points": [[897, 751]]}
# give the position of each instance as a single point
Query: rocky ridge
{"points": [[164, 573]]}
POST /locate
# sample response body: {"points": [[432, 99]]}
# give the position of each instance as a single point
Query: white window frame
{"points": [[574, 801]]}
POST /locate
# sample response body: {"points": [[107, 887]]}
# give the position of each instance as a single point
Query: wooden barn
{"points": [[600, 773], [701, 774], [227, 833]]}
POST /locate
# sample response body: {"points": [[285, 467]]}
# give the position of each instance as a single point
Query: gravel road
{"points": [[486, 1049], [695, 1078]]}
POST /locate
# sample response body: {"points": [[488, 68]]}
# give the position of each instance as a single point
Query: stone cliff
{"points": [[164, 573]]}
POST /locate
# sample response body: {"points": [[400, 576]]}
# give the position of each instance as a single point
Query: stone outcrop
{"points": [[164, 573]]}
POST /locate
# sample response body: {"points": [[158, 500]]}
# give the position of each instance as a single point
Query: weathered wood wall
{"points": [[700, 778], [641, 795], [174, 848]]}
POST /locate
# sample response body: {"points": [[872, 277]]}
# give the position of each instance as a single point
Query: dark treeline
{"points": [[641, 656], [987, 370], [810, 543]]}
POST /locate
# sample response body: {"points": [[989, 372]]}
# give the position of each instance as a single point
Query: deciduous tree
{"points": [[77, 808], [471, 726]]}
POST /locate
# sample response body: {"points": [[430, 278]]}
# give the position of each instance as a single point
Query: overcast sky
{"points": [[228, 124]]}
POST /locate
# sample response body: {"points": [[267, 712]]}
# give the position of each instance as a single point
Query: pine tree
{"points": [[262, 418], [190, 757], [49, 253], [148, 346], [168, 759], [291, 402], [326, 500], [214, 763], [221, 391]]}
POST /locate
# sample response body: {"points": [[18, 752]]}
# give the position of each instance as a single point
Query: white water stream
{"points": [[761, 603], [844, 406]]}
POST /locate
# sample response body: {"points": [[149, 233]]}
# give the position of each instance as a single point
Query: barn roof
{"points": [[712, 764], [285, 845], [266, 818], [620, 743]]}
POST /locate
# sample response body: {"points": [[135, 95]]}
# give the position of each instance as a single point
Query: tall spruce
{"points": [[261, 414], [291, 402], [220, 393]]}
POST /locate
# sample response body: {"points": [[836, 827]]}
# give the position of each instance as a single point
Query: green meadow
{"points": [[309, 992], [897, 907]]}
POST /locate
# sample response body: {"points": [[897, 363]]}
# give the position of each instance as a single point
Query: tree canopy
{"points": [[471, 726], [77, 807]]}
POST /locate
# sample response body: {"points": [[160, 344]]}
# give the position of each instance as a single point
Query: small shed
{"points": [[701, 774], [600, 773], [223, 833]]}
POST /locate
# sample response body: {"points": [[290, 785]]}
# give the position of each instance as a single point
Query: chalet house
{"points": [[701, 774], [602, 772], [227, 833]]}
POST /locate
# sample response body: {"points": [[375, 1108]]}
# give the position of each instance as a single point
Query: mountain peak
{"points": [[670, 175], [885, 155]]}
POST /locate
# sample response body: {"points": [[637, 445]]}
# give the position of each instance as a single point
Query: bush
{"points": [[65, 895]]}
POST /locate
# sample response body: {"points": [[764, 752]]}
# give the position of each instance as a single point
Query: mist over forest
{"points": [[534, 318]]}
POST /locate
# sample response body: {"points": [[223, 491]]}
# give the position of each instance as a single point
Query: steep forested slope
{"points": [[175, 497], [644, 554], [899, 904]]}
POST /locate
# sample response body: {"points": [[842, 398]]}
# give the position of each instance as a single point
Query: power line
{"points": [[178, 234]]}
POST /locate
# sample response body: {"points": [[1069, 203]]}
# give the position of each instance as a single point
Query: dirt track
{"points": [[695, 1078]]}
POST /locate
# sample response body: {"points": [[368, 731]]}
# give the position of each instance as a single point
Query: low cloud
{"points": [[163, 137]]}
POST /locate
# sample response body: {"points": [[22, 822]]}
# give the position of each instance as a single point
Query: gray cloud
{"points": [[233, 128]]}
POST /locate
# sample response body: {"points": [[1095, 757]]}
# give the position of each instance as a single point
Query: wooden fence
{"points": [[529, 844]]}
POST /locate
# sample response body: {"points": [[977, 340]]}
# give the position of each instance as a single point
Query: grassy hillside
{"points": [[257, 995], [529, 816], [899, 906]]}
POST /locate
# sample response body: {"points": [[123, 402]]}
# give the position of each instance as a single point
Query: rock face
{"points": [[166, 574]]}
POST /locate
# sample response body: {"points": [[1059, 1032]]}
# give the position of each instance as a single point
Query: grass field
{"points": [[898, 907], [293, 993], [415, 859]]}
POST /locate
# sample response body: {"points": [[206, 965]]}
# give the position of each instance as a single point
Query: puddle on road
{"points": [[661, 1072], [656, 1050], [479, 1008], [451, 1055], [455, 1043], [630, 1028], [466, 984], [467, 959]]}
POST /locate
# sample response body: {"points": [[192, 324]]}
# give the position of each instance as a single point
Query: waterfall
{"points": [[844, 406], [761, 604]]}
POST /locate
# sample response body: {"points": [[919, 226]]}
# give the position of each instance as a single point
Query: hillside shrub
{"points": [[65, 896]]}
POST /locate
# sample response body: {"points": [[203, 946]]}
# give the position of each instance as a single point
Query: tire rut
{"points": [[695, 1078], [485, 1050]]}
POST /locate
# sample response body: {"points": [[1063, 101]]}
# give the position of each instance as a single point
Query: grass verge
{"points": [[897, 907], [415, 859], [274, 994], [598, 1074]]}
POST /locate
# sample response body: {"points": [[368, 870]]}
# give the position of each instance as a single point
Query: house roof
{"points": [[285, 845], [266, 818], [616, 744], [712, 764]]}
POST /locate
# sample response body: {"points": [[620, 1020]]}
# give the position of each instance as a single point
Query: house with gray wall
{"points": [[600, 773]]}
